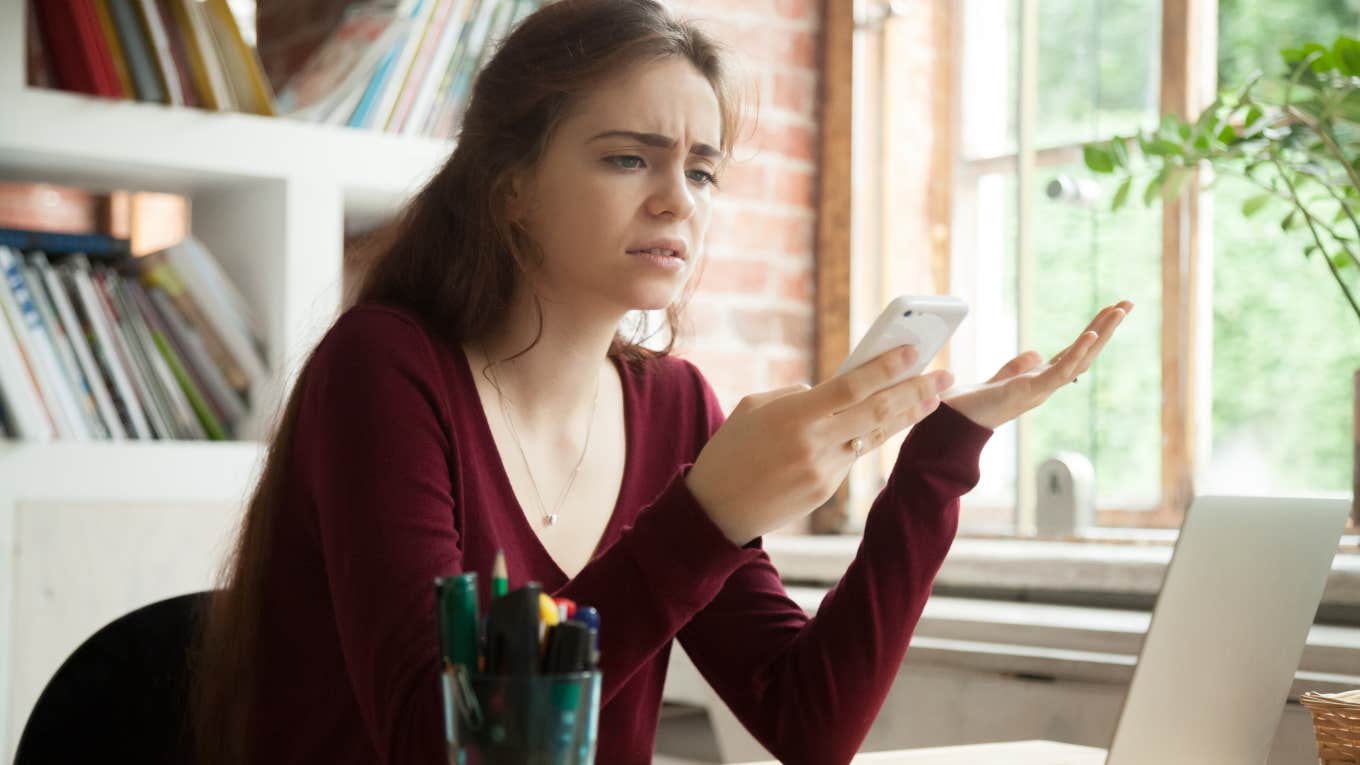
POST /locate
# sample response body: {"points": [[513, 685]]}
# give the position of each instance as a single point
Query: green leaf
{"points": [[1122, 194], [1342, 260], [1154, 188], [1161, 147], [1254, 113], [1227, 135], [1290, 221], [1254, 204], [1119, 152], [1097, 158], [1309, 250], [1346, 55]]}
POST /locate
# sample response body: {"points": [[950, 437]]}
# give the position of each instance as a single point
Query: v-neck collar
{"points": [[502, 477]]}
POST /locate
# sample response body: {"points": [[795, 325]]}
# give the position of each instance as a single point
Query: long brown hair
{"points": [[452, 257]]}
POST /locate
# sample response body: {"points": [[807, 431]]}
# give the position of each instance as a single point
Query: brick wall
{"points": [[752, 316]]}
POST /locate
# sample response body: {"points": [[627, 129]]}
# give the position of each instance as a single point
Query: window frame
{"points": [[1187, 84]]}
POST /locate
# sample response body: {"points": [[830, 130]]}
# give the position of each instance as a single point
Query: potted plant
{"points": [[1296, 137]]}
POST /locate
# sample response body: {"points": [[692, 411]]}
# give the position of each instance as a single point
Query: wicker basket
{"points": [[1336, 721]]}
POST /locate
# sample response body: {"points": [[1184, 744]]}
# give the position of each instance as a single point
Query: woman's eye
{"points": [[627, 162], [703, 176]]}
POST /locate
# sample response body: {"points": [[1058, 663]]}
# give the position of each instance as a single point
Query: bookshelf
{"points": [[270, 198]]}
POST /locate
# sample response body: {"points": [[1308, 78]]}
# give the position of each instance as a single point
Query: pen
{"points": [[500, 580], [512, 632]]}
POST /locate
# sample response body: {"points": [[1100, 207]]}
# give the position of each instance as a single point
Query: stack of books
{"points": [[178, 52], [99, 345], [402, 67]]}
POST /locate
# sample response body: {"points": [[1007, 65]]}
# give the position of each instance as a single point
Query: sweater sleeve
{"points": [[370, 446], [808, 689]]}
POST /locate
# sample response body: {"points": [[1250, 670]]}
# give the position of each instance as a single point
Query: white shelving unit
{"points": [[270, 198]]}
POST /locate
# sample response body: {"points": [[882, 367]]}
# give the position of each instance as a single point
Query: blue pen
{"points": [[588, 616]]}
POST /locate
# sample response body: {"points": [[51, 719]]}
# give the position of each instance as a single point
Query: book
{"points": [[137, 48], [80, 59], [419, 66], [36, 346], [204, 63], [50, 241], [80, 344], [115, 46], [154, 29], [110, 356], [72, 375], [369, 99], [339, 68], [449, 27], [245, 73], [26, 410], [148, 327], [381, 114], [134, 363], [223, 306], [47, 207], [173, 349], [41, 73], [179, 53]]}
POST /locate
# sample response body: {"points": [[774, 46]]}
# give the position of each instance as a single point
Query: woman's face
{"points": [[630, 169]]}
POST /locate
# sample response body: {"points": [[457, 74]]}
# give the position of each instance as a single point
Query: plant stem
{"points": [[1308, 218], [1307, 119]]}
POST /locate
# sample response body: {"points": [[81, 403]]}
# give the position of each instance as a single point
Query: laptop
{"points": [[1228, 630]]}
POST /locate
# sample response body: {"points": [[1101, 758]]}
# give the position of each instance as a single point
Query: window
{"points": [[1200, 389]]}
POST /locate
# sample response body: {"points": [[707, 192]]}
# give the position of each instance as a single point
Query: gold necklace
{"points": [[549, 519]]}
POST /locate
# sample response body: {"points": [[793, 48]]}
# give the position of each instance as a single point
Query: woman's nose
{"points": [[673, 196]]}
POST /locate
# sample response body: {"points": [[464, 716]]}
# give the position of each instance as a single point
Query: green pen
{"points": [[500, 579], [458, 616]]}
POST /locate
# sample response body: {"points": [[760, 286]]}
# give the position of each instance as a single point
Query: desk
{"points": [[1010, 753]]}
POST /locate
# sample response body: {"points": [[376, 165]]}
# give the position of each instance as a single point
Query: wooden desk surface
{"points": [[1010, 753]]}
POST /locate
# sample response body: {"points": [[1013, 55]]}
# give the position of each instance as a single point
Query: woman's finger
{"points": [[1061, 372], [1018, 366], [1105, 332], [878, 435], [757, 400], [1101, 317], [847, 390], [914, 397]]}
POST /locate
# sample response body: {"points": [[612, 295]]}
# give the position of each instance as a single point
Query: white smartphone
{"points": [[925, 321]]}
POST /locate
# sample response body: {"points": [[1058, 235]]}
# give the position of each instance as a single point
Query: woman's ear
{"points": [[517, 196]]}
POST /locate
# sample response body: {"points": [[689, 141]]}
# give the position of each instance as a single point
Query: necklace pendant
{"points": [[550, 519]]}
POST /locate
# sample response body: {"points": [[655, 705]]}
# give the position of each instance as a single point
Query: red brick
{"points": [[795, 187], [796, 286], [744, 179], [788, 140], [795, 91], [798, 9]]}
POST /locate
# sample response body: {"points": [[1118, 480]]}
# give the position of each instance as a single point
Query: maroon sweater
{"points": [[394, 480]]}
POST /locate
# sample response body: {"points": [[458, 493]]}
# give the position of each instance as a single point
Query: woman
{"points": [[480, 396]]}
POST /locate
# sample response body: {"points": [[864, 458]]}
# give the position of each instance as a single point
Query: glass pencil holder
{"points": [[521, 719]]}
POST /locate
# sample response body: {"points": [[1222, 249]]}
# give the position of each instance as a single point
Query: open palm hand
{"points": [[1025, 381]]}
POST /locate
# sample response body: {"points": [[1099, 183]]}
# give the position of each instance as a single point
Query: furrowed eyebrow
{"points": [[659, 141]]}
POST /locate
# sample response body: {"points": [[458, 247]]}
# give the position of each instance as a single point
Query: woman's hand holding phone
{"points": [[783, 453]]}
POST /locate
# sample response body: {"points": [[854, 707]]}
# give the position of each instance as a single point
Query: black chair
{"points": [[122, 695]]}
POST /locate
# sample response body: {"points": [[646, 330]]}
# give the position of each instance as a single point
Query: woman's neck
{"points": [[558, 377]]}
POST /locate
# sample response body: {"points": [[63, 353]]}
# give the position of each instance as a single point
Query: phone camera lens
{"points": [[908, 313]]}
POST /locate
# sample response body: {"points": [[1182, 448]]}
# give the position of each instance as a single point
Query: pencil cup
{"points": [[522, 719]]}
